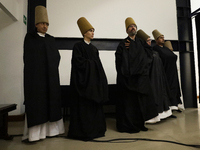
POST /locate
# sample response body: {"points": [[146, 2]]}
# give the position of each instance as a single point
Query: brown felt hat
{"points": [[129, 21], [41, 14], [156, 34], [141, 34], [168, 44], [84, 25]]}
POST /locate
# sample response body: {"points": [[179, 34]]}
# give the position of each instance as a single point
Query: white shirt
{"points": [[87, 42], [41, 34]]}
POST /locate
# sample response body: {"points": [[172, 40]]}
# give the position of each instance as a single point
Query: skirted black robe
{"points": [[169, 62], [159, 84], [136, 103], [89, 91], [41, 79]]}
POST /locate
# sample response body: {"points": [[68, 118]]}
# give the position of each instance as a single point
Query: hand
{"points": [[127, 44]]}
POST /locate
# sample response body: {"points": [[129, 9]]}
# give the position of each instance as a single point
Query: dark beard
{"points": [[132, 33]]}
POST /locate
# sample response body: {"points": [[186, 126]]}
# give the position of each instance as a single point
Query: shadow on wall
{"points": [[6, 20]]}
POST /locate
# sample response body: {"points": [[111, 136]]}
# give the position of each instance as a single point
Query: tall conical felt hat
{"points": [[156, 34], [41, 14], [168, 44], [129, 21], [84, 25], [141, 34]]}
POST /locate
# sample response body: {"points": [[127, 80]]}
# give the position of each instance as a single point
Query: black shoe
{"points": [[179, 110], [129, 131], [51, 136], [172, 116], [144, 129], [26, 141], [133, 131]]}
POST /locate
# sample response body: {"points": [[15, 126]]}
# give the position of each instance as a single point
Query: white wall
{"points": [[108, 17], [10, 8], [195, 4], [11, 57]]}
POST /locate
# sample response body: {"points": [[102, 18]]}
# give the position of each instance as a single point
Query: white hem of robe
{"points": [[41, 131], [160, 116], [173, 107], [181, 107], [153, 120], [165, 114]]}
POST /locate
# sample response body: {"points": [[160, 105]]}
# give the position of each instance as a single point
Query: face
{"points": [[89, 35], [148, 41], [160, 40], [42, 27], [132, 30]]}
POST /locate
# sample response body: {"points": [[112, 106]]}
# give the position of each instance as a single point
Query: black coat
{"points": [[41, 79], [136, 103], [169, 62], [159, 84], [88, 78], [133, 65], [89, 91]]}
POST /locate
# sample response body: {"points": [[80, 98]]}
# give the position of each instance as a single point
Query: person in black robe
{"points": [[169, 62], [136, 103], [89, 88], [159, 83], [42, 97]]}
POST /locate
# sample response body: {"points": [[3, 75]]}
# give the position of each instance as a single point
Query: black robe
{"points": [[136, 103], [41, 79], [169, 62], [89, 91], [159, 84]]}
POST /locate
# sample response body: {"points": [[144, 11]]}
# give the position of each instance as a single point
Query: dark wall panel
{"points": [[186, 50], [197, 21], [188, 79], [31, 12]]}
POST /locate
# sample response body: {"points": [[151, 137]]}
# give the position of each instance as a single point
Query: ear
{"points": [[156, 40], [85, 33]]}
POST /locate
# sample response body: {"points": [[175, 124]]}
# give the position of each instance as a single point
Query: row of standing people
{"points": [[140, 96], [148, 80]]}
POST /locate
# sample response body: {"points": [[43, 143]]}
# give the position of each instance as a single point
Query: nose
{"points": [[45, 25]]}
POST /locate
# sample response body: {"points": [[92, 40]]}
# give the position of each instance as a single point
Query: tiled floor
{"points": [[184, 129]]}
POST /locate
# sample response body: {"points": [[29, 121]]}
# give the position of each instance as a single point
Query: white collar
{"points": [[41, 34], [131, 38], [87, 42]]}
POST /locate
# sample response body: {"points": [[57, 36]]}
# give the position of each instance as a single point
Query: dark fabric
{"points": [[133, 65], [41, 79], [128, 115], [169, 62], [136, 103], [87, 76], [87, 120], [89, 90], [159, 84]]}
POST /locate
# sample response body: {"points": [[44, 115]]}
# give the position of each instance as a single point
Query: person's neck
{"points": [[41, 34], [132, 37], [87, 40], [161, 45]]}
